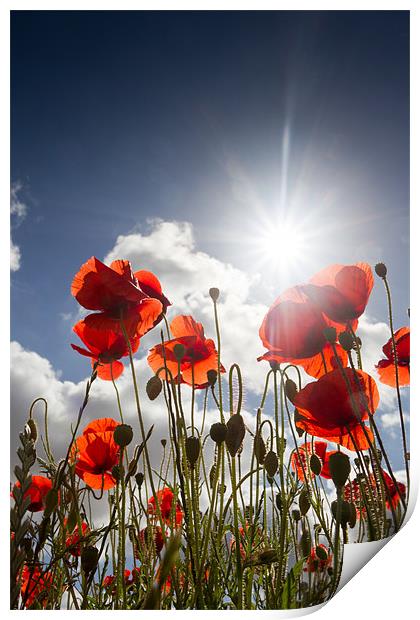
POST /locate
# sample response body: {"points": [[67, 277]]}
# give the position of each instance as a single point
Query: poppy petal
{"points": [[185, 325]]}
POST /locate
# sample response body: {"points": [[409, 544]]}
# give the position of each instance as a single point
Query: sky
{"points": [[189, 142]]}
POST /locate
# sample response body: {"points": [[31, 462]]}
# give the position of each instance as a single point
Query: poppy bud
{"points": [[268, 556], [259, 448], [352, 515], [271, 463], [212, 475], [179, 351], [339, 464], [345, 512], [139, 479], [321, 552], [218, 432], [296, 515], [346, 340], [235, 433], [315, 464], [279, 503], [116, 472], [211, 377], [214, 293], [304, 502], [32, 429], [291, 390], [89, 559], [51, 501], [153, 387], [274, 365], [192, 449], [330, 334], [132, 468], [381, 270], [305, 543], [123, 435]]}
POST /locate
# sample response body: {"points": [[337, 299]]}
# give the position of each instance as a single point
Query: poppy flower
{"points": [[318, 560], [118, 295], [96, 453], [199, 357], [391, 492], [167, 505], [386, 367], [104, 346], [342, 291], [74, 538], [109, 581], [356, 491], [35, 585], [300, 460], [157, 536], [38, 491], [293, 332], [325, 407]]}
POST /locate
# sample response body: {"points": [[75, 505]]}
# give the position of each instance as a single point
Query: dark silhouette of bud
{"points": [[381, 270], [346, 512], [153, 387], [212, 377], [271, 463], [279, 503], [139, 479], [259, 448], [339, 464], [305, 543], [304, 502], [330, 334], [218, 432], [268, 556], [214, 293], [235, 433], [132, 468], [296, 515], [89, 559], [291, 390], [315, 464], [321, 552], [33, 431], [296, 418], [352, 515], [123, 435], [163, 443], [346, 340], [192, 449], [179, 351]]}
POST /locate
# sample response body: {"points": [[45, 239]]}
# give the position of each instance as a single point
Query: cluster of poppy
{"points": [[109, 582], [127, 305], [168, 506], [35, 585]]}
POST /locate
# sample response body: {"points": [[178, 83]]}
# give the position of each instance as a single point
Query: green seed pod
{"points": [[218, 432], [330, 334], [381, 270], [139, 479], [304, 502], [192, 449], [259, 448], [235, 433], [352, 515], [179, 351], [32, 429], [291, 390], [321, 552], [123, 435], [271, 463], [315, 464], [153, 387], [305, 543], [345, 512], [89, 559], [214, 293], [212, 377], [339, 468], [346, 340], [212, 475]]}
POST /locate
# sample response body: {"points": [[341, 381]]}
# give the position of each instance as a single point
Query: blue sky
{"points": [[227, 120]]}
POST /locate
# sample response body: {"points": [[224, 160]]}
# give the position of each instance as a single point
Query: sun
{"points": [[283, 244]]}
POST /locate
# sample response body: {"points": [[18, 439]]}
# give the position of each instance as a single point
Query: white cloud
{"points": [[18, 210]]}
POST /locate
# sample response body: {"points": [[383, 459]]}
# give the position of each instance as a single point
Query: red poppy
{"points": [[325, 407], [357, 492], [391, 492], [38, 491], [386, 367], [157, 536], [74, 538], [342, 291], [96, 453], [300, 460], [109, 581], [199, 357], [167, 505], [35, 585], [319, 559], [118, 295], [293, 332], [105, 347]]}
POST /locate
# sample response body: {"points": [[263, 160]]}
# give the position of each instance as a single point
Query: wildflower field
{"points": [[228, 514]]}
